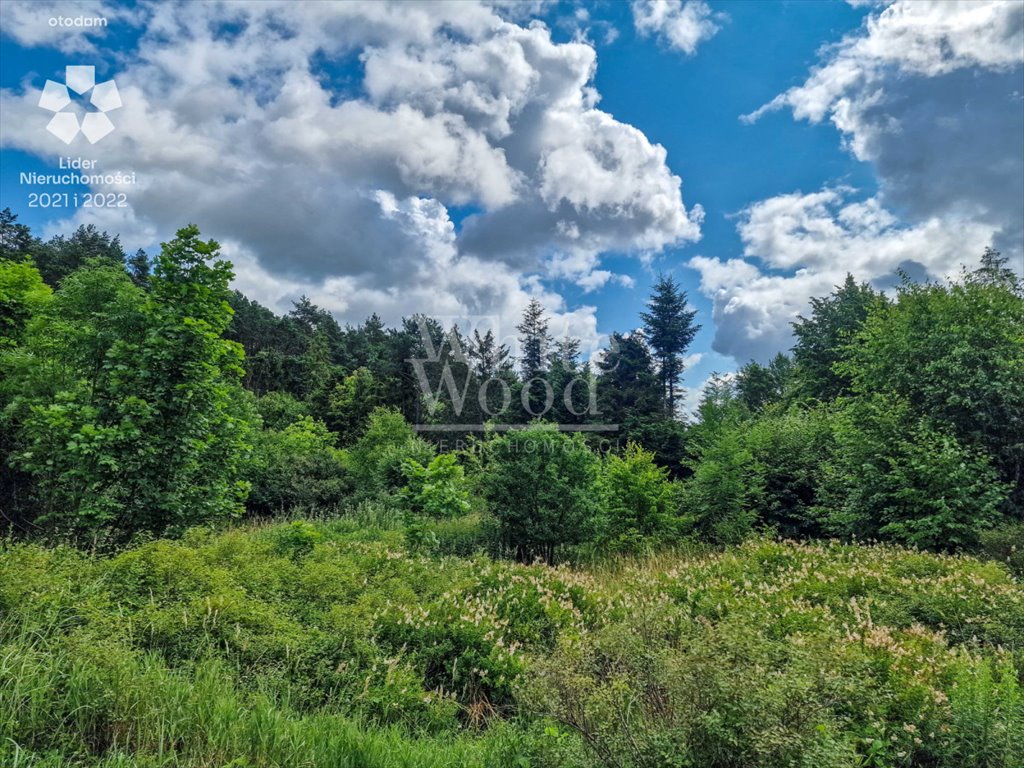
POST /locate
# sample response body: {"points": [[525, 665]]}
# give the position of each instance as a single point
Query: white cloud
{"points": [[932, 93], [71, 26], [682, 25], [797, 246], [343, 190]]}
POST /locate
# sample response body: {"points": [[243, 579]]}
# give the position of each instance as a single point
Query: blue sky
{"points": [[459, 158]]}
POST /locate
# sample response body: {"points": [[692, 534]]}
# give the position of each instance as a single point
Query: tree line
{"points": [[143, 395]]}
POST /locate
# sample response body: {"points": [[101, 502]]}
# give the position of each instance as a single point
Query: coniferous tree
{"points": [[16, 239], [489, 357], [535, 341], [824, 337], [60, 256], [670, 330], [139, 268]]}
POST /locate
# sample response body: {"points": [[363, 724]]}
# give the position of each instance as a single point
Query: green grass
{"points": [[329, 644]]}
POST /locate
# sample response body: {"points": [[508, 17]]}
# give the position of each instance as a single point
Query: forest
{"points": [[238, 538]]}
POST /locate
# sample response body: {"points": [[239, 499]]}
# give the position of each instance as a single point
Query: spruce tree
{"points": [[534, 342], [670, 329]]}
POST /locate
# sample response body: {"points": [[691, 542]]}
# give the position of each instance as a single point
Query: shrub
{"points": [[789, 450], [376, 459], [1006, 544], [638, 501], [720, 494], [297, 467], [901, 478], [437, 490], [540, 484]]}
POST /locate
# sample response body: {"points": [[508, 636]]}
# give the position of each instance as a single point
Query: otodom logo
{"points": [[95, 100]]}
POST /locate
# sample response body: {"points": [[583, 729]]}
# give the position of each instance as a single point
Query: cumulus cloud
{"points": [[235, 118], [71, 26], [802, 245], [681, 25], [931, 93]]}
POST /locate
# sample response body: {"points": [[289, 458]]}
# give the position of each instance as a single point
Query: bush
{"points": [[1005, 544], [376, 459], [789, 450], [903, 479], [297, 467], [540, 484], [438, 490], [720, 495], [638, 502]]}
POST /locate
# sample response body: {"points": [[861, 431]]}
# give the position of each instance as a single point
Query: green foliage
{"points": [[60, 256], [326, 644], [376, 460], [669, 328], [955, 354], [904, 479], [759, 385], [351, 402], [824, 340], [297, 467], [541, 487], [777, 654], [789, 450], [279, 409], [1005, 543], [22, 295], [638, 502], [129, 416], [437, 490], [720, 495]]}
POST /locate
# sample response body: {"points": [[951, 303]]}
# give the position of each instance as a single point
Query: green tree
{"points": [[438, 489], [350, 404], [954, 354], [761, 385], [60, 256], [540, 484], [297, 468], [669, 327], [16, 241], [377, 457], [489, 357], [535, 341], [639, 503], [721, 494], [823, 340], [131, 416], [22, 295], [790, 451], [279, 409], [139, 268], [899, 477]]}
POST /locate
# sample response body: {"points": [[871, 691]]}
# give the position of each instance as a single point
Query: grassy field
{"points": [[331, 644]]}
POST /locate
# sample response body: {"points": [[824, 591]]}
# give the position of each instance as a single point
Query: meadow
{"points": [[336, 643]]}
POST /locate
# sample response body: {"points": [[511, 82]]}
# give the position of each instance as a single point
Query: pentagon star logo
{"points": [[98, 100]]}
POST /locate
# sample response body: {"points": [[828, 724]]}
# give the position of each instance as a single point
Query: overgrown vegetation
{"points": [[509, 590], [333, 644]]}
